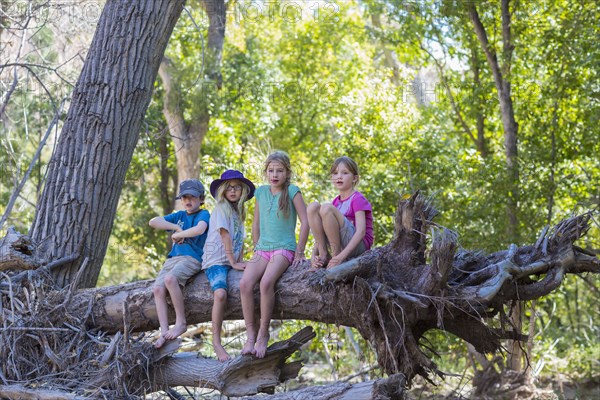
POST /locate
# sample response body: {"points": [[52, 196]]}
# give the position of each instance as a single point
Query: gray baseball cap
{"points": [[191, 187]]}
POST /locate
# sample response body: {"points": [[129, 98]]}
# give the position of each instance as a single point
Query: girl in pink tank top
{"points": [[342, 229]]}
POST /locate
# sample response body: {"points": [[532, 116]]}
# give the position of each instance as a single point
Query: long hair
{"points": [[349, 163], [284, 199], [228, 207]]}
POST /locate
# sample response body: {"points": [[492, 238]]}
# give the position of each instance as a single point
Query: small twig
{"points": [[387, 341], [542, 236], [126, 324], [110, 351], [10, 294], [33, 328], [72, 285], [174, 394], [531, 332], [590, 284], [61, 261], [80, 271], [202, 64], [359, 373], [329, 359]]}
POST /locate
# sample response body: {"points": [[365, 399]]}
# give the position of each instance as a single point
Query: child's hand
{"points": [[240, 266], [337, 260], [299, 259], [318, 261], [176, 238]]}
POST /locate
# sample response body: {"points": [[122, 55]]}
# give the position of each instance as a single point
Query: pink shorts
{"points": [[268, 255]]}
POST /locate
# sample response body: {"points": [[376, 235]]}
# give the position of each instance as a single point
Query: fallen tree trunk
{"points": [[457, 292], [391, 295], [23, 393], [243, 375], [240, 376], [391, 388]]}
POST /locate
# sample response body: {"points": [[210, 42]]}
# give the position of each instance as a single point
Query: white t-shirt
{"points": [[214, 251]]}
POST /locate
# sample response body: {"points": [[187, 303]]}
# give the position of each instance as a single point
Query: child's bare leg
{"points": [[218, 310], [160, 299], [252, 274], [176, 294], [316, 226], [333, 221], [273, 272], [250, 338]]}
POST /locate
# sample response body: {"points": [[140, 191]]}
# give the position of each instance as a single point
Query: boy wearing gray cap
{"points": [[189, 227]]}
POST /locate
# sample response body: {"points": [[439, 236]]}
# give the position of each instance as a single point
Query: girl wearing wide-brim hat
{"points": [[223, 249]]}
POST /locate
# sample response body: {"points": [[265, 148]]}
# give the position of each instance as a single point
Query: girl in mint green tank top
{"points": [[278, 205]]}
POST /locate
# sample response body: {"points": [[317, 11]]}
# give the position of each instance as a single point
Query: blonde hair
{"points": [[350, 163], [228, 207], [284, 159]]}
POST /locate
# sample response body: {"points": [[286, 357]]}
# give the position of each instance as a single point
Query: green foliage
{"points": [[336, 353], [31, 107], [567, 338]]}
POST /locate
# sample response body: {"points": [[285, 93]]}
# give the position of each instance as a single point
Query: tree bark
{"points": [[503, 87], [75, 213], [188, 136], [243, 375], [391, 388], [17, 252], [217, 19], [474, 64], [391, 60], [502, 81]]}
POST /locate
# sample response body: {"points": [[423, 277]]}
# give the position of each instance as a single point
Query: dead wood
{"points": [[50, 353], [22, 393], [243, 375], [390, 388], [17, 252], [393, 295]]}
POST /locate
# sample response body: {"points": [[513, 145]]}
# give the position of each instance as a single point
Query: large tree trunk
{"points": [[188, 136], [502, 80], [391, 60], [75, 213], [474, 65]]}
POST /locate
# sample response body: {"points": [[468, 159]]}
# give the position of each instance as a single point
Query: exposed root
{"points": [[51, 353]]}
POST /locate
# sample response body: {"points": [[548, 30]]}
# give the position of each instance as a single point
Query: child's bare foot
{"points": [[160, 341], [249, 346], [221, 353], [175, 331], [260, 348]]}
